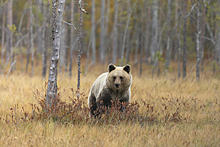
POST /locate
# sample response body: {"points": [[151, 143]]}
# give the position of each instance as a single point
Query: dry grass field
{"points": [[168, 112]]}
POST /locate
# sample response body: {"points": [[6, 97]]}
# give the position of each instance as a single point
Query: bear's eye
{"points": [[121, 78], [114, 77]]}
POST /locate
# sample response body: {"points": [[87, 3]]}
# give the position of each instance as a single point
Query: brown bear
{"points": [[109, 87]]}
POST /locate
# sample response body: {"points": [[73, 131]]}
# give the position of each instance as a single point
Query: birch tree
{"points": [[72, 42], [154, 40], [56, 34], [43, 47], [102, 33], [147, 30], [141, 48], [125, 32], [3, 36], [168, 50], [31, 38], [115, 33], [198, 41], [202, 39], [62, 49], [184, 37], [128, 35], [218, 22], [93, 37], [81, 11], [179, 47], [9, 39]]}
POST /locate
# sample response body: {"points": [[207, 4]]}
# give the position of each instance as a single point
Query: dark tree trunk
{"points": [[198, 41], [141, 46], [184, 37]]}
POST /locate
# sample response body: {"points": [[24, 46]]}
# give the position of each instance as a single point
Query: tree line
{"points": [[153, 32]]}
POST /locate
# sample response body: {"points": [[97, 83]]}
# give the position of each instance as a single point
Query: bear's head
{"points": [[119, 78]]}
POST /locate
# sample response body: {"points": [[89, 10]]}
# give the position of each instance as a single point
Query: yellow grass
{"points": [[199, 125]]}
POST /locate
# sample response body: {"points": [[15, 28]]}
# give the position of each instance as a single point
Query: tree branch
{"points": [[80, 6]]}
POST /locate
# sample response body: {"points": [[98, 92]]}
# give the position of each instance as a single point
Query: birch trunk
{"points": [[3, 37], [141, 47], [184, 38], [62, 49], [168, 50], [80, 44], [147, 31], [128, 36], [93, 33], [107, 37], [175, 55], [198, 41], [56, 34], [28, 42], [218, 41], [18, 36], [125, 34], [202, 39], [9, 49], [71, 38], [31, 38], [137, 41], [179, 44], [115, 35], [154, 40], [43, 47], [102, 35]]}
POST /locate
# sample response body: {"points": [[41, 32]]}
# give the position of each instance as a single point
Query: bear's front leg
{"points": [[123, 103], [103, 102]]}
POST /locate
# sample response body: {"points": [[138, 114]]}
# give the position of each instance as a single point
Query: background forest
{"points": [[173, 47], [141, 32]]}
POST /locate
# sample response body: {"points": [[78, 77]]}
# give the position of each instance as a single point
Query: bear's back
{"points": [[99, 84]]}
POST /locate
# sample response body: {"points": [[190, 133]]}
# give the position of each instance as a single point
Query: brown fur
{"points": [[109, 87]]}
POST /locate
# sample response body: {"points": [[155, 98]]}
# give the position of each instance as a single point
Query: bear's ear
{"points": [[111, 67], [127, 68]]}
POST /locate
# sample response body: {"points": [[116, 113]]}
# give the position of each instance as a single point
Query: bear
{"points": [[109, 87]]}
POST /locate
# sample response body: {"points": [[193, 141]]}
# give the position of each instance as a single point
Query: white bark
{"points": [[184, 37], [52, 80], [168, 50], [125, 32], [43, 47], [71, 38], [102, 35], [3, 37], [147, 31], [154, 40], [93, 33], [198, 42], [62, 49], [115, 34], [31, 38], [9, 49]]}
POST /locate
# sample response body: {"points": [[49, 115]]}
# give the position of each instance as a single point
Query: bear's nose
{"points": [[116, 85]]}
